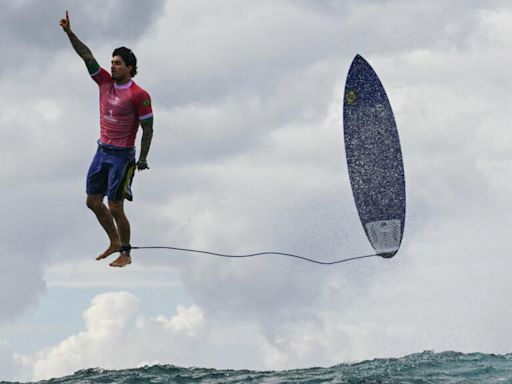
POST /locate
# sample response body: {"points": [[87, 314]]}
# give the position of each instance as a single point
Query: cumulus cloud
{"points": [[105, 326], [117, 335]]}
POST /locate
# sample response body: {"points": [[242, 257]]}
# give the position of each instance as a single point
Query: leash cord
{"points": [[259, 254]]}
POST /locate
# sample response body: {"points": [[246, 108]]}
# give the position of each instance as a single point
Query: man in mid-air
{"points": [[123, 106]]}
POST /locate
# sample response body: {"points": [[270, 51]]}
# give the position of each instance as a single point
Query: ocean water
{"points": [[419, 368]]}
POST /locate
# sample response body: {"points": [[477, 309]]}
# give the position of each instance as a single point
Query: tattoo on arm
{"points": [[147, 135], [83, 51]]}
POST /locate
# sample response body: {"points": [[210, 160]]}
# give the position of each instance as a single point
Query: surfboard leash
{"points": [[255, 254]]}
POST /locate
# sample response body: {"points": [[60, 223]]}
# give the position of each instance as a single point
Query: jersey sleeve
{"points": [[143, 105], [101, 76]]}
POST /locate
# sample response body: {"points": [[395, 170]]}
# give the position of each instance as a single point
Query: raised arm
{"points": [[83, 51]]}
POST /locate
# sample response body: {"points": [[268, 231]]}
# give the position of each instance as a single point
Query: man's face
{"points": [[119, 69]]}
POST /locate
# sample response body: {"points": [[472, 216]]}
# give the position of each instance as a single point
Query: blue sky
{"points": [[248, 156]]}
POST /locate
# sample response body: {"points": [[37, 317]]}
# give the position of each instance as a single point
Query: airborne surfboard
{"points": [[374, 158]]}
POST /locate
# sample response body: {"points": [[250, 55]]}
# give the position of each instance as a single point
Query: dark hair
{"points": [[128, 58]]}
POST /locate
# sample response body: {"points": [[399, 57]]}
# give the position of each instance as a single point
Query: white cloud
{"points": [[187, 321], [105, 326], [117, 335]]}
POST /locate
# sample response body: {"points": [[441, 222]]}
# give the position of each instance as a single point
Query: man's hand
{"points": [[142, 164], [65, 24]]}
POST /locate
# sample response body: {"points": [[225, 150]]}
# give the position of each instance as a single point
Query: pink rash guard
{"points": [[122, 107]]}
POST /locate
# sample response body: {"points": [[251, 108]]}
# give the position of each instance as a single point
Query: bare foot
{"points": [[110, 250], [123, 260]]}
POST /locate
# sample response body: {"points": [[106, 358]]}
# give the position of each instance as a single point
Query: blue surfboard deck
{"points": [[374, 158]]}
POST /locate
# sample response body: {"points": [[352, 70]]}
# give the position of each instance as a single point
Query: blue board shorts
{"points": [[111, 172]]}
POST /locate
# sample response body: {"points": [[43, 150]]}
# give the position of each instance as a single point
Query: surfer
{"points": [[123, 106]]}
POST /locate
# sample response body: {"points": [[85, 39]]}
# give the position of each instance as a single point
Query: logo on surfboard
{"points": [[351, 97]]}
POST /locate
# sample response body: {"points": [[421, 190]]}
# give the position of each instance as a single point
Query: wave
{"points": [[419, 368]]}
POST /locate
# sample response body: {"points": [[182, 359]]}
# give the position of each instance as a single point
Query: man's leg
{"points": [[123, 226], [95, 203]]}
